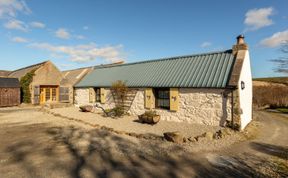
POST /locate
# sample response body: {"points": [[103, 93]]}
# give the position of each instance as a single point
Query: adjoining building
{"points": [[46, 84], [208, 88], [71, 78], [49, 84], [9, 92]]}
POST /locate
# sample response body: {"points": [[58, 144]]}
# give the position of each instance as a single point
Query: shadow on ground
{"points": [[273, 150], [41, 151]]}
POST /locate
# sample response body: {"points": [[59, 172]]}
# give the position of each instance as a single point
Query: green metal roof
{"points": [[208, 70]]}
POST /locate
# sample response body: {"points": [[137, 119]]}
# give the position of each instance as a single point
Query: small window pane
{"points": [[162, 98], [98, 94]]}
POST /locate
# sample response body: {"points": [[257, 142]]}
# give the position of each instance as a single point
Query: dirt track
{"points": [[34, 147]]}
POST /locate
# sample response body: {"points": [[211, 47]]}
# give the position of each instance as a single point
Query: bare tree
{"points": [[282, 61]]}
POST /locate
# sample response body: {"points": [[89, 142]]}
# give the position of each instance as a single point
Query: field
{"points": [[281, 80]]}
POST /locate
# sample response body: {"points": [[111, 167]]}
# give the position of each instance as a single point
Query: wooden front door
{"points": [[48, 94]]}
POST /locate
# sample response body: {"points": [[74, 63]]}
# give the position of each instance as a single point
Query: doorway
{"points": [[49, 94]]}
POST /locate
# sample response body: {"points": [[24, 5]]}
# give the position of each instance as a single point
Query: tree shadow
{"points": [[273, 150], [77, 152]]}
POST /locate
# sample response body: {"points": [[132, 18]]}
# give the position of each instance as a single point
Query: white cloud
{"points": [[258, 18], [16, 25], [66, 65], [62, 33], [37, 25], [206, 44], [84, 53], [80, 37], [9, 8], [18, 39], [275, 40]]}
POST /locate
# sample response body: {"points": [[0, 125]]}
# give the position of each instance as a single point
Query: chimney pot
{"points": [[240, 39]]}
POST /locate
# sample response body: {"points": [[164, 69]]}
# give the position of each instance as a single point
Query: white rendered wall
{"points": [[245, 95]]}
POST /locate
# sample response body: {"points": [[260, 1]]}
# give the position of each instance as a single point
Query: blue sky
{"points": [[75, 34]]}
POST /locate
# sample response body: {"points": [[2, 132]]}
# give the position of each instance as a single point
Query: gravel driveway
{"points": [[36, 144], [130, 124]]}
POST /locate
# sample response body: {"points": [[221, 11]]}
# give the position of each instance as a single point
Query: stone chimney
{"points": [[240, 45], [240, 39]]}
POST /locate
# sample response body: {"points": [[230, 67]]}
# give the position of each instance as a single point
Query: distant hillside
{"points": [[280, 80], [4, 73]]}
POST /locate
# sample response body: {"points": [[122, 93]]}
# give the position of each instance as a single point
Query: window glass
{"points": [[98, 94], [162, 96]]}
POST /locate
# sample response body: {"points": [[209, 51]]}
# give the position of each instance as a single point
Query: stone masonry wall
{"points": [[201, 106], [81, 96]]}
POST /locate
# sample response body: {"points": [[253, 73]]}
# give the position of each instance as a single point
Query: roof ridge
{"points": [[94, 66], [164, 59], [41, 63], [77, 69]]}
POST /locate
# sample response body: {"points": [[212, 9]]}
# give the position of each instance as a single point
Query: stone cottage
{"points": [[45, 84], [208, 88]]}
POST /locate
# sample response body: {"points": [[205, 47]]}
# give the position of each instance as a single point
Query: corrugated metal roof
{"points": [[208, 70], [9, 83]]}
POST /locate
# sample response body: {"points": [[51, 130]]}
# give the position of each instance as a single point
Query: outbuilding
{"points": [[210, 88], [9, 92]]}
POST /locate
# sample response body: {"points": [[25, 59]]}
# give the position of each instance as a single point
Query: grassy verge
{"points": [[283, 110]]}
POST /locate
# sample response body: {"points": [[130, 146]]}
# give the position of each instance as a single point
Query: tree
{"points": [[282, 61]]}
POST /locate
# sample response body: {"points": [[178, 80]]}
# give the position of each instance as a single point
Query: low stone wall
{"points": [[202, 106]]}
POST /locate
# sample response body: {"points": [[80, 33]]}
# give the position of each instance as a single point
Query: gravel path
{"points": [[130, 124]]}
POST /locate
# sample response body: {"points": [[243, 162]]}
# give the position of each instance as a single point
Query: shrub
{"points": [[118, 111], [119, 91]]}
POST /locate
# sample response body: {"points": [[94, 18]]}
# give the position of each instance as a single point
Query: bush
{"points": [[271, 96], [118, 111]]}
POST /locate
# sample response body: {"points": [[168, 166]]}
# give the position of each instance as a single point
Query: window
{"points": [[64, 94], [97, 94], [162, 97]]}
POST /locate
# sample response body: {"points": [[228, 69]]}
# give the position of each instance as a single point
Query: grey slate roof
{"points": [[9, 83], [71, 77], [208, 70], [19, 73]]}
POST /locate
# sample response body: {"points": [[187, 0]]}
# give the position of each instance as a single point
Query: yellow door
{"points": [[48, 94], [42, 95]]}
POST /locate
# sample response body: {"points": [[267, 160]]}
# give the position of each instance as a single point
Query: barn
{"points": [[213, 88], [9, 92], [46, 83]]}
